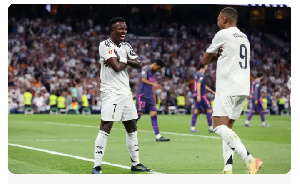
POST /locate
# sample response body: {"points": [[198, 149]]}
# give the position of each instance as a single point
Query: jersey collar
{"points": [[113, 42]]}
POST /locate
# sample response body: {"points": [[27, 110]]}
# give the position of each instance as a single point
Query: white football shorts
{"points": [[230, 106], [117, 107]]}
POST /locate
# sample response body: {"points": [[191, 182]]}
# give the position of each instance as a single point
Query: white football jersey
{"points": [[111, 81], [233, 67]]}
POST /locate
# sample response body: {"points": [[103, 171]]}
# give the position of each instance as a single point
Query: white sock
{"points": [[158, 136], [132, 145], [233, 141], [210, 127], [247, 122], [192, 128], [263, 123], [100, 144], [228, 154]]}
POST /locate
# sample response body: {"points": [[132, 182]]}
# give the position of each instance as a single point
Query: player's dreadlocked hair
{"points": [[159, 62], [230, 13], [115, 20]]}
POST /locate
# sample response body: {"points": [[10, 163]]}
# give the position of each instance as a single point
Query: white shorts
{"points": [[117, 107], [230, 106]]}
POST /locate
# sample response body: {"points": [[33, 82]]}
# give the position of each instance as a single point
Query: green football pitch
{"points": [[64, 144]]}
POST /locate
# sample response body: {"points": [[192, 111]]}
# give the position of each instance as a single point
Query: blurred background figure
{"points": [[39, 103], [73, 107]]}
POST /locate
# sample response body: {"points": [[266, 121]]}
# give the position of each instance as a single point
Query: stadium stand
{"points": [[50, 55]]}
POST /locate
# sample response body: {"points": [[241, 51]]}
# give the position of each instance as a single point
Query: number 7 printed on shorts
{"points": [[113, 115]]}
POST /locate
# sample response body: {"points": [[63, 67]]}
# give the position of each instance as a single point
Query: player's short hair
{"points": [[201, 66], [115, 20], [159, 62], [230, 13], [259, 75]]}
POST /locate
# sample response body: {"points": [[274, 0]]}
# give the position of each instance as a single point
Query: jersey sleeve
{"points": [[130, 52], [217, 42], [200, 78], [106, 52], [144, 72]]}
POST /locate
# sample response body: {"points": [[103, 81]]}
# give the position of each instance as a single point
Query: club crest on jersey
{"points": [[110, 51]]}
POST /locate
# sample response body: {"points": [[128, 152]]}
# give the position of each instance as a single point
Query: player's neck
{"points": [[202, 70], [114, 41], [229, 26], [151, 67]]}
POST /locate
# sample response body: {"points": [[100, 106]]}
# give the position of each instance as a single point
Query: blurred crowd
{"points": [[49, 56]]}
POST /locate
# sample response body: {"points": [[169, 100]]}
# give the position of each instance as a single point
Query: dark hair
{"points": [[259, 75], [115, 20], [230, 13], [201, 66], [159, 62]]}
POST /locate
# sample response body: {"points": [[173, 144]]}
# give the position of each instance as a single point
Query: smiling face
{"points": [[118, 32]]}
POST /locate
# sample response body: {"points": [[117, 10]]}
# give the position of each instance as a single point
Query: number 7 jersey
{"points": [[233, 67]]}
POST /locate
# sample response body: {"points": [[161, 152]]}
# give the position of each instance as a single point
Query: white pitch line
{"points": [[147, 131], [73, 156], [50, 140]]}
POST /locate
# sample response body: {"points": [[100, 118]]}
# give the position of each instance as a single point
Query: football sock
{"points": [[158, 136], [250, 116], [262, 116], [209, 119], [194, 119], [247, 122], [100, 144], [233, 141], [133, 148], [154, 124], [228, 154]]}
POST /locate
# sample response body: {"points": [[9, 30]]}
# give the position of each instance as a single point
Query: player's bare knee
{"points": [[130, 126], [106, 127], [153, 113], [220, 120]]}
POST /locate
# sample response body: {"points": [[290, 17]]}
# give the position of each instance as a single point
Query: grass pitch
{"points": [[49, 144]]}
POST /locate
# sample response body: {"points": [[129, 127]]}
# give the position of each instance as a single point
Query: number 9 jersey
{"points": [[233, 67]]}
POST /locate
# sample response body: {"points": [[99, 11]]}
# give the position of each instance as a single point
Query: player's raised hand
{"points": [[157, 86]]}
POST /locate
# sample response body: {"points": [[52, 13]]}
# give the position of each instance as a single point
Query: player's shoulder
{"points": [[198, 73], [125, 44], [106, 43], [147, 67]]}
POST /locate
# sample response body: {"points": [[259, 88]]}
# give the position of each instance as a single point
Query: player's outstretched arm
{"points": [[157, 86], [210, 90]]}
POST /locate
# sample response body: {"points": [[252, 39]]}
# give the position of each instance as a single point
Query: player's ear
{"points": [[224, 19]]}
